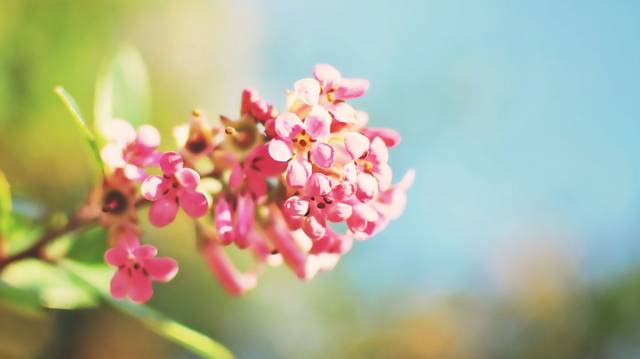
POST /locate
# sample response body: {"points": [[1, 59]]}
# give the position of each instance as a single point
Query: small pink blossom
{"points": [[253, 104], [336, 87], [137, 267], [302, 144], [315, 206], [129, 150], [176, 188], [373, 173]]}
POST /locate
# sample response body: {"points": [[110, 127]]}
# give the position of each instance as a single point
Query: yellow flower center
{"points": [[302, 142], [368, 166]]}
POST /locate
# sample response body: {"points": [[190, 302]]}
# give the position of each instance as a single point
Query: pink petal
{"points": [[194, 203], [367, 187], [260, 160], [295, 206], [112, 155], [117, 255], [140, 290], [249, 95], [134, 172], [120, 284], [298, 172], [314, 226], [257, 186], [153, 187], [236, 177], [224, 222], [318, 123], [339, 212], [378, 152], [288, 125], [362, 118], [148, 137], [343, 112], [161, 269], [318, 185], [245, 212], [163, 212], [356, 144], [390, 136], [308, 90], [362, 215], [326, 75], [145, 252], [170, 162], [383, 175], [350, 172], [351, 88], [188, 178], [343, 191], [279, 150], [322, 154], [119, 131]]}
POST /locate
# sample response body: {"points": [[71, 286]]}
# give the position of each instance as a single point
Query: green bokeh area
{"points": [[540, 290]]}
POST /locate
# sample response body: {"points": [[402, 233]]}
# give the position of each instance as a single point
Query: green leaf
{"points": [[55, 287], [122, 89], [73, 109], [5, 204], [98, 277], [22, 300], [89, 246]]}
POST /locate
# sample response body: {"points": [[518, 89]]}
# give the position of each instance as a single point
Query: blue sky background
{"points": [[519, 117]]}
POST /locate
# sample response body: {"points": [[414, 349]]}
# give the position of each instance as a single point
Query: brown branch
{"points": [[35, 250]]}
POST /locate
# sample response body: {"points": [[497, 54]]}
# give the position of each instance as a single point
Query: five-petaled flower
{"points": [[176, 188], [138, 267], [302, 143]]}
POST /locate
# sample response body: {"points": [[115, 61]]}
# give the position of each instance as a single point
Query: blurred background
{"points": [[522, 120]]}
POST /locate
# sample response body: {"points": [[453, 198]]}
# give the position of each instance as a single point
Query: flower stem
{"points": [[35, 250]]}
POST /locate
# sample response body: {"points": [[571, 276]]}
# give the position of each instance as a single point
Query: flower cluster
{"points": [[295, 186]]}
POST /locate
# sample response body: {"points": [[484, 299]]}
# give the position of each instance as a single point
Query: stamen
{"points": [[230, 130]]}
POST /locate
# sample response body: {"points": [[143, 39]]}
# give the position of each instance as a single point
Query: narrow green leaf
{"points": [[122, 89], [73, 109], [98, 277], [5, 204]]}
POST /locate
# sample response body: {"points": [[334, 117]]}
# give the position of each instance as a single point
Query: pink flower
{"points": [[137, 268], [130, 150], [305, 141], [336, 87], [315, 206], [329, 89], [372, 173], [176, 188], [254, 105]]}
